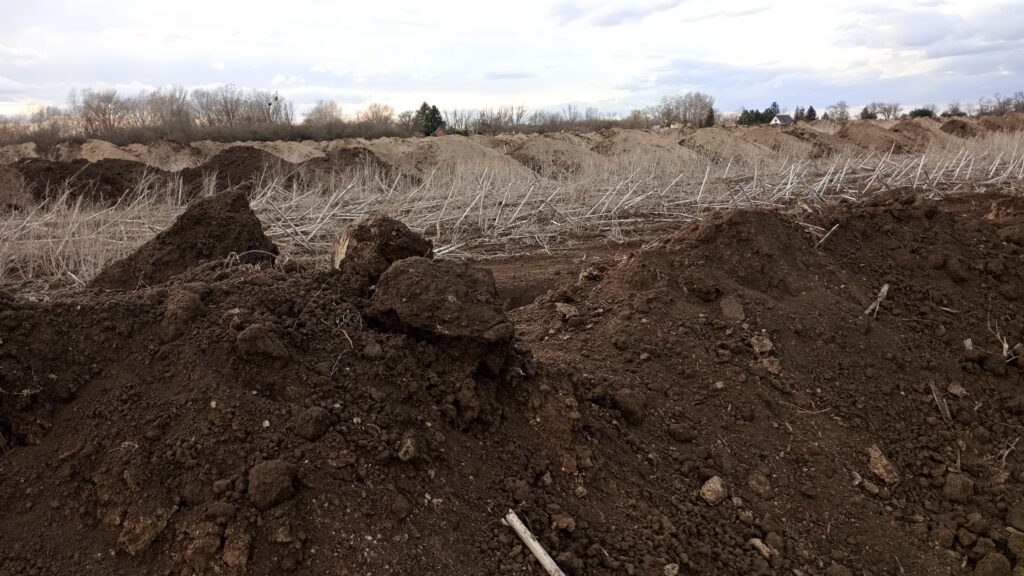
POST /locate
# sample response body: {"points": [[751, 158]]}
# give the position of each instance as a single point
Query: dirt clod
{"points": [[714, 491], [993, 564], [142, 526], [630, 405], [957, 487], [462, 307], [259, 345], [371, 245], [312, 423], [761, 344], [271, 483], [881, 467]]}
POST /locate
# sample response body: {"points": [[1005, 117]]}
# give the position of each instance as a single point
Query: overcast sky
{"points": [[613, 54]]}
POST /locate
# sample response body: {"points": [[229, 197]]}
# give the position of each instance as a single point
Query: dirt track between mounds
{"points": [[247, 418]]}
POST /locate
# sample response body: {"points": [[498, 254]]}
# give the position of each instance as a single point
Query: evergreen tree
{"points": [[799, 114], [812, 114], [709, 120], [434, 120], [867, 114], [419, 120], [772, 111], [428, 119]]}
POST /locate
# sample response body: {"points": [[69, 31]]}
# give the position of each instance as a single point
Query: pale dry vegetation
{"points": [[476, 210]]}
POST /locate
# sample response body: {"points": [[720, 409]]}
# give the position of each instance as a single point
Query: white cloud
{"points": [[616, 54]]}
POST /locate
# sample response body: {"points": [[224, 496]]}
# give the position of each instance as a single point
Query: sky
{"points": [[615, 55]]}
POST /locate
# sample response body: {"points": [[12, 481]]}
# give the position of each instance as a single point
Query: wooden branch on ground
{"points": [[533, 545]]}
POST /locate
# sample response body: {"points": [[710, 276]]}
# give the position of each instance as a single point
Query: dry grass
{"points": [[476, 210]]}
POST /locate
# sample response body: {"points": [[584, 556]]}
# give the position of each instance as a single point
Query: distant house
{"points": [[440, 132], [782, 120]]}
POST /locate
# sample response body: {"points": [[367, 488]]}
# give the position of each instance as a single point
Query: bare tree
{"points": [[888, 110], [460, 120], [377, 114], [690, 108], [839, 111], [98, 113], [518, 114], [638, 119], [169, 110], [322, 113]]}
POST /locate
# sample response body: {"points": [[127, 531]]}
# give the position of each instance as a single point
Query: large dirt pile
{"points": [[104, 181], [725, 144], [779, 141], [215, 228], [241, 420], [11, 153], [13, 195], [348, 160], [760, 363], [872, 137], [167, 155], [719, 402], [923, 132], [91, 151], [644, 145], [235, 166], [553, 155], [822, 143], [293, 152], [420, 157], [1008, 123], [961, 128]]}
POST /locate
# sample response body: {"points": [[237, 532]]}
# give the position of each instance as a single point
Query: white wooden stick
{"points": [[534, 546]]}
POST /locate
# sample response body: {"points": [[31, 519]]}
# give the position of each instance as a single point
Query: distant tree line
{"points": [[230, 113]]}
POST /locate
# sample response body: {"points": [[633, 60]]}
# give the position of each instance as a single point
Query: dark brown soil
{"points": [[213, 228], [348, 160], [105, 181], [717, 402], [235, 166], [960, 128]]}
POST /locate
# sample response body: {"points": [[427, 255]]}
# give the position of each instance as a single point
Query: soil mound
{"points": [[420, 156], [250, 421], [724, 144], [91, 151], [923, 132], [1008, 123], [13, 195], [292, 152], [822, 143], [234, 166], [778, 141], [349, 160], [209, 229], [553, 154], [644, 145], [167, 155], [960, 128], [827, 126], [12, 153], [879, 408], [867, 135], [104, 181]]}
